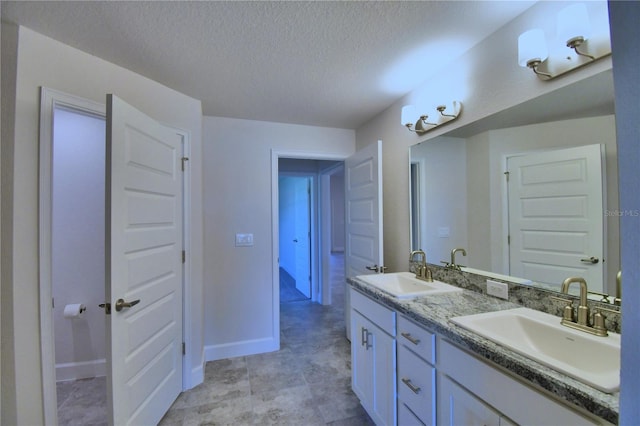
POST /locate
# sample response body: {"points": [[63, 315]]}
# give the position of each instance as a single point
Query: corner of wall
{"points": [[8, 401]]}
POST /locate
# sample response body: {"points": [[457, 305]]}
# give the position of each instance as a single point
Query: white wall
{"points": [[42, 61], [241, 308], [78, 250], [626, 57], [486, 79]]}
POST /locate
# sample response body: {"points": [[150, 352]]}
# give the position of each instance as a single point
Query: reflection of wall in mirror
{"points": [[484, 215], [442, 196]]}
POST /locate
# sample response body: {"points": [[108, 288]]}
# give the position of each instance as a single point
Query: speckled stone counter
{"points": [[434, 312]]}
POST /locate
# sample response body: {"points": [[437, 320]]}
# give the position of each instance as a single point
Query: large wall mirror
{"points": [[554, 215]]}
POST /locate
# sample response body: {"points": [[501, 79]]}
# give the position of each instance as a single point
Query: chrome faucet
{"points": [[452, 264], [422, 270], [582, 322]]}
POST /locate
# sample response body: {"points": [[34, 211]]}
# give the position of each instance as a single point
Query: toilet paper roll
{"points": [[74, 310]]}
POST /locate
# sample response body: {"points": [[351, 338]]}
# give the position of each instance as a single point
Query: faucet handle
{"points": [[567, 313], [598, 324]]}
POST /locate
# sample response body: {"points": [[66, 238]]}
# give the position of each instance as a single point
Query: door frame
{"points": [[49, 100], [275, 228], [326, 232]]}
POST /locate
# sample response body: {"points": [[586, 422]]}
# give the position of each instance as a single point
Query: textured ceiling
{"points": [[318, 63]]}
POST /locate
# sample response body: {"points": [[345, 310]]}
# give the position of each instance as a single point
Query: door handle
{"points": [[373, 268], [121, 304], [592, 259], [410, 338], [415, 389]]}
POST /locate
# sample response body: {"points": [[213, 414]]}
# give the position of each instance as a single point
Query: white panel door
{"points": [[363, 216], [363, 210], [144, 264], [556, 215]]}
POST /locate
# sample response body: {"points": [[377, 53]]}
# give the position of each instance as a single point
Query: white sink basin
{"points": [[589, 359], [404, 285]]}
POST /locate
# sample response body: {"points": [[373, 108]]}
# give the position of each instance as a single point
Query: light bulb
{"points": [[408, 115], [532, 45], [573, 22]]}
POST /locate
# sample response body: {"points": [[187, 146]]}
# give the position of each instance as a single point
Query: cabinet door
{"points": [[361, 360], [373, 363], [456, 406], [406, 417], [384, 364]]}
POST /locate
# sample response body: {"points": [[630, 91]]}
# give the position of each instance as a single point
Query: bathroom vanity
{"points": [[412, 365]]}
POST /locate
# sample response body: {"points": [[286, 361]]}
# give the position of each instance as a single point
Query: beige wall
{"points": [[42, 61], [241, 314], [486, 79]]}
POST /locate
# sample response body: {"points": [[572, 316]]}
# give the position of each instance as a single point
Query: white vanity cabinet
{"points": [[373, 357], [470, 388], [405, 374]]}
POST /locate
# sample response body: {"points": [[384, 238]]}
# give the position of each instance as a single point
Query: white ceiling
{"points": [[315, 62]]}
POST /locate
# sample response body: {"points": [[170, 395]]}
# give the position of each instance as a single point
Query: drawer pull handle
{"points": [[410, 338], [364, 336], [415, 389]]}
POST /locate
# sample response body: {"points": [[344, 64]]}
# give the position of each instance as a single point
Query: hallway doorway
{"points": [[310, 227]]}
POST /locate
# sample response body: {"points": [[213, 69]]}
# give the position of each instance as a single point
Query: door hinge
{"points": [[508, 239], [184, 348], [184, 160], [506, 175], [184, 256], [53, 303]]}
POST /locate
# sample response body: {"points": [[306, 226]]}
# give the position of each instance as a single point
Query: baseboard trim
{"points": [[195, 378], [248, 347], [81, 370]]}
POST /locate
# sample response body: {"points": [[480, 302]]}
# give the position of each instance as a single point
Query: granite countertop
{"points": [[434, 313]]}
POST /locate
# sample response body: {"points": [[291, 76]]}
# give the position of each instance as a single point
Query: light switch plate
{"points": [[244, 240], [443, 232], [497, 289]]}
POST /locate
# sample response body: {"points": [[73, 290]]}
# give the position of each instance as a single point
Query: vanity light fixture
{"points": [[420, 125], [573, 28]]}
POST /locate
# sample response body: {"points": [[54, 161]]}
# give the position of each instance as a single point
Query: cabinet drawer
{"points": [[406, 416], [416, 385], [380, 315], [416, 338]]}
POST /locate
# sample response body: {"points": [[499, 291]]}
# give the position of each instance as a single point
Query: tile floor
{"points": [[82, 402], [306, 382]]}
